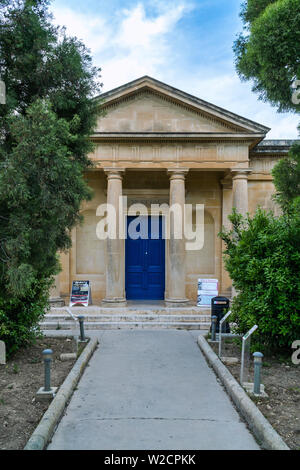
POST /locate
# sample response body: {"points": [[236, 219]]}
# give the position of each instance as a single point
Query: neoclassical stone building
{"points": [[157, 144]]}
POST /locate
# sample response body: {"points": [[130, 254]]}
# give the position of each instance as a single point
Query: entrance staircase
{"points": [[132, 316]]}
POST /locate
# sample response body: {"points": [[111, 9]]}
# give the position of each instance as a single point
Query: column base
{"points": [[115, 302], [176, 302]]}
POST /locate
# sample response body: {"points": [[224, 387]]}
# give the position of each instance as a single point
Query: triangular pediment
{"points": [[149, 106]]}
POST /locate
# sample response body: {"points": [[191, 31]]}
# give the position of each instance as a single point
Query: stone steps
{"points": [[108, 318], [138, 310], [110, 325], [130, 317]]}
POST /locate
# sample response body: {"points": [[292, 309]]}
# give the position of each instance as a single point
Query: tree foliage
{"points": [[286, 176], [262, 257], [262, 252], [38, 60], [42, 188], [45, 130], [268, 51]]}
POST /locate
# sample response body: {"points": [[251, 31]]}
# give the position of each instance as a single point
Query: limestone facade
{"points": [[155, 145]]}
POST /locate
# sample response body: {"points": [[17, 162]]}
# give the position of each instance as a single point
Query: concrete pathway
{"points": [[150, 390]]}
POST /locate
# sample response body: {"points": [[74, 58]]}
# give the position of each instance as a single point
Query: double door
{"points": [[145, 258]]}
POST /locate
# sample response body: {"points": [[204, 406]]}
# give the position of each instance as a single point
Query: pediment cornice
{"points": [[231, 121]]}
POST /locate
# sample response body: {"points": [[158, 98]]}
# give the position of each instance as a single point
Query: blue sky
{"points": [[184, 43]]}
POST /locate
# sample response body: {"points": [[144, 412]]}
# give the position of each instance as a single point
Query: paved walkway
{"points": [[151, 390]]}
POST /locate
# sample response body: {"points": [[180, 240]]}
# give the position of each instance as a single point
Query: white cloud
{"points": [[140, 45], [92, 30], [138, 31], [132, 43], [228, 92], [129, 45]]}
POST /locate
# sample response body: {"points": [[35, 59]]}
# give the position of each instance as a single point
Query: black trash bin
{"points": [[219, 308]]}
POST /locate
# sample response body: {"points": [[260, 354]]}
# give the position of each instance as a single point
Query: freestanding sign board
{"points": [[81, 294], [207, 289]]}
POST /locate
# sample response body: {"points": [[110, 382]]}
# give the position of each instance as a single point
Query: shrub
{"points": [[262, 257], [19, 317], [45, 129]]}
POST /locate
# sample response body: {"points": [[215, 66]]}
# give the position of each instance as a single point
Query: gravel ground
{"points": [[281, 379], [20, 379]]}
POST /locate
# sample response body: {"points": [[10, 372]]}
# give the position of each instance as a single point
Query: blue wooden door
{"points": [[145, 260]]}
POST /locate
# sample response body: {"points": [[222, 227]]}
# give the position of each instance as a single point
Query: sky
{"points": [[184, 43]]}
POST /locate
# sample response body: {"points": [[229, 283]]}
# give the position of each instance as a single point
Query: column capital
{"points": [[240, 173], [177, 173], [226, 183], [114, 173]]}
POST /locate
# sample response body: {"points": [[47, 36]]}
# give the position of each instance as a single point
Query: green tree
{"points": [[262, 257], [268, 51], [262, 252], [268, 54], [45, 130], [38, 60], [286, 176], [42, 187]]}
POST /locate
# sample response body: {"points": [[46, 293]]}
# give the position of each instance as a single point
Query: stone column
{"points": [[240, 190], [226, 211], [115, 257], [240, 196], [176, 247]]}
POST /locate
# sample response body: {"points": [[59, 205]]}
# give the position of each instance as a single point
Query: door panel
{"points": [[145, 262]]}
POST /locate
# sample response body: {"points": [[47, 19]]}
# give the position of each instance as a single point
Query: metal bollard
{"points": [[47, 353], [214, 319], [81, 320], [257, 372]]}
